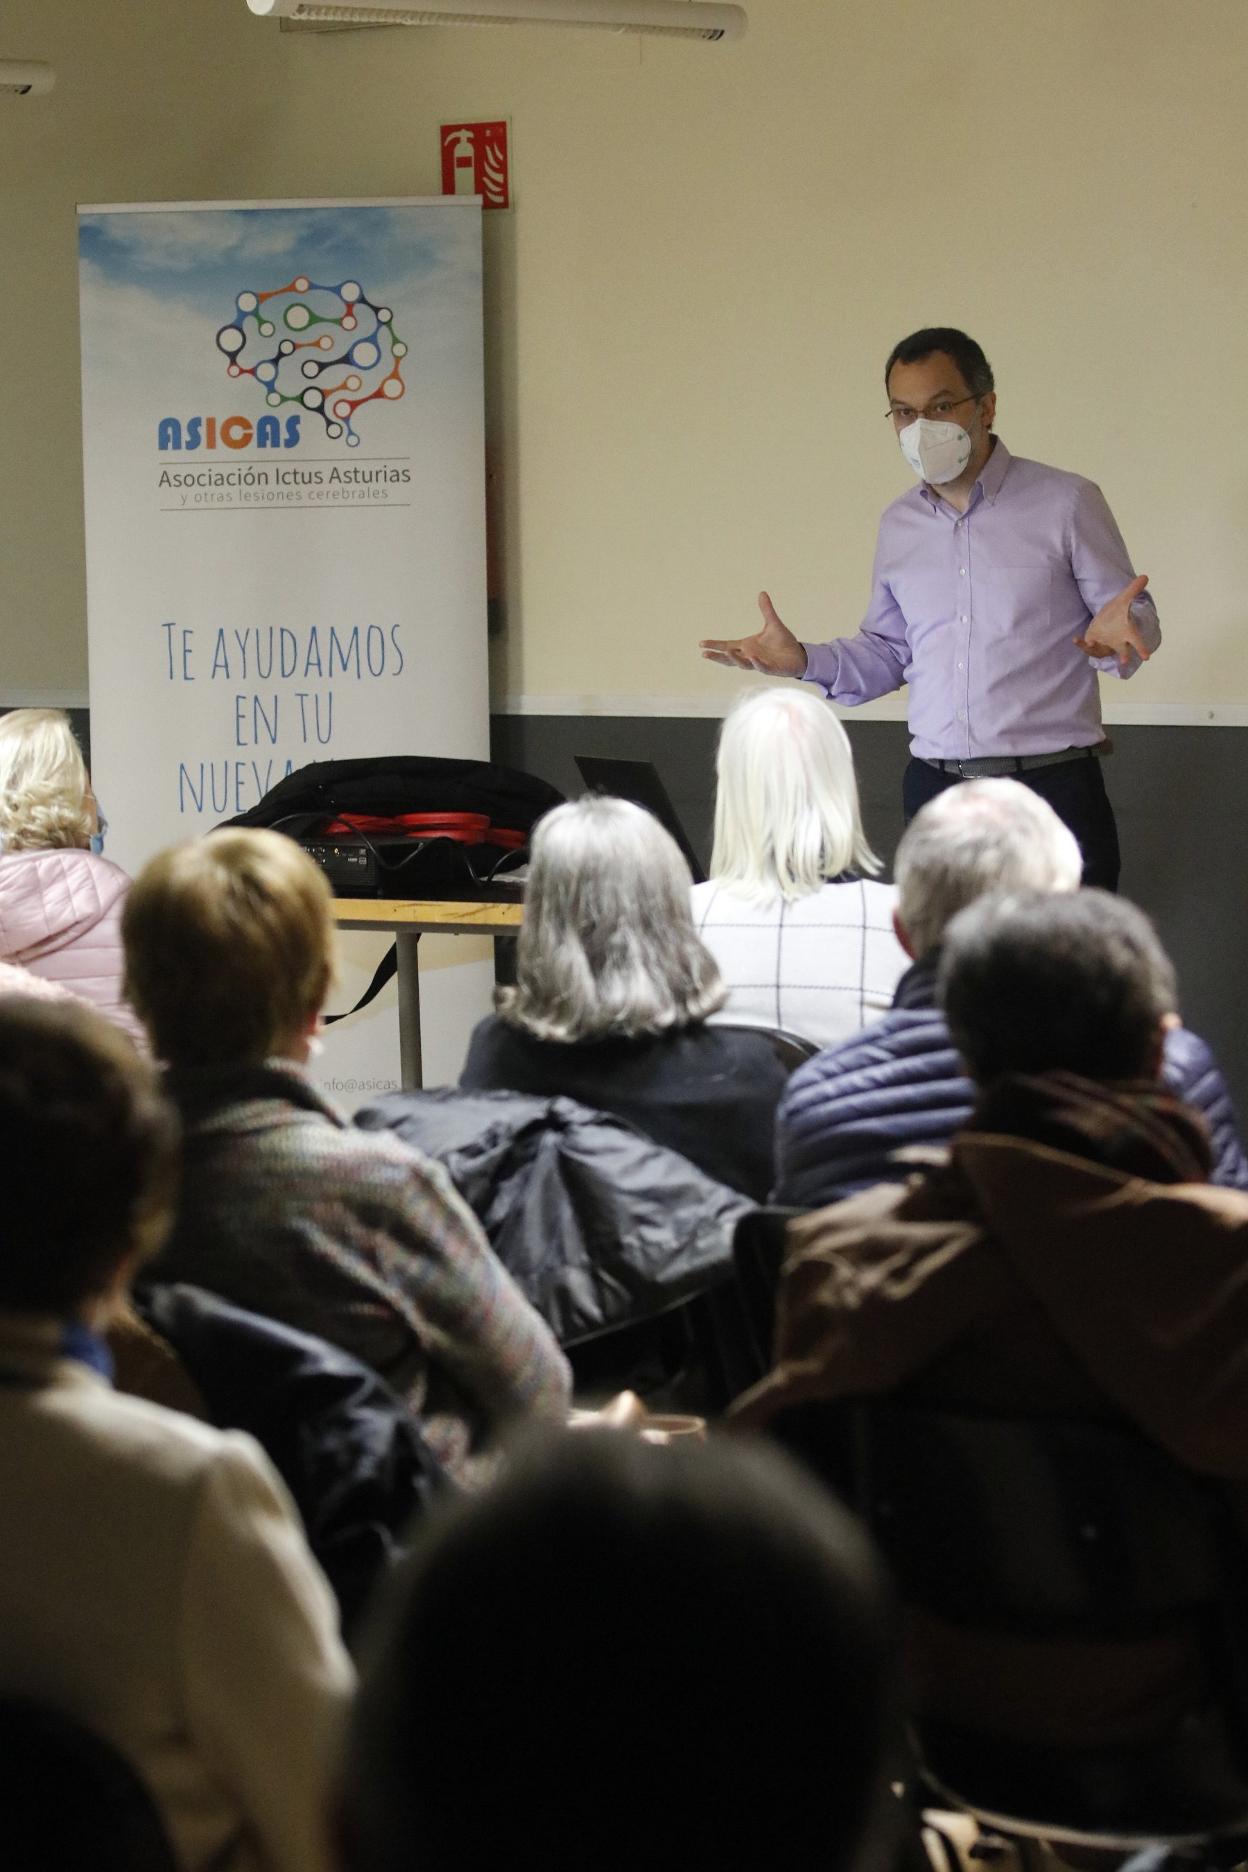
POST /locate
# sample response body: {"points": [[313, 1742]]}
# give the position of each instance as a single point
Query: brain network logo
{"points": [[352, 359]]}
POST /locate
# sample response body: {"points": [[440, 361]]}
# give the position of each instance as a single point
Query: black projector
{"points": [[381, 864]]}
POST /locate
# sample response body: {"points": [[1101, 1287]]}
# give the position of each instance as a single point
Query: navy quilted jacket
{"points": [[845, 1112]]}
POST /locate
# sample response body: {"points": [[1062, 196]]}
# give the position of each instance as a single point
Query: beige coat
{"points": [[155, 1585]]}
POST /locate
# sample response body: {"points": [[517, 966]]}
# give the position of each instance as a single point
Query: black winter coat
{"points": [[600, 1227], [346, 1446]]}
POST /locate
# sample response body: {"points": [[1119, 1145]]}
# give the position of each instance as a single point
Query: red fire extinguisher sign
{"points": [[476, 161]]}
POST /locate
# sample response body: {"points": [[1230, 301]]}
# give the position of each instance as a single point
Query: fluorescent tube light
{"points": [[25, 78], [677, 19]]}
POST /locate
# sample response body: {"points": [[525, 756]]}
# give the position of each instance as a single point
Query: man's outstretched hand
{"points": [[773, 651], [1113, 631]]}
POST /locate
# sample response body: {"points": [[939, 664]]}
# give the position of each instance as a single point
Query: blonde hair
{"points": [[229, 947], [786, 803], [44, 791], [607, 946]]}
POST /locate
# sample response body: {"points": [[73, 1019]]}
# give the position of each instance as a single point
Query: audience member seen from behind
{"points": [[286, 1209], [844, 1115], [802, 934], [154, 1583], [60, 900], [625, 1656], [613, 989], [1068, 1260]]}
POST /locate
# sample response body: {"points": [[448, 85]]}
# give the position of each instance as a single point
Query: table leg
{"points": [[407, 944]]}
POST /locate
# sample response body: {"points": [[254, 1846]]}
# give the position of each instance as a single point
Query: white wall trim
{"points": [[43, 698], [1176, 714], [329, 201], [1116, 714], [611, 705]]}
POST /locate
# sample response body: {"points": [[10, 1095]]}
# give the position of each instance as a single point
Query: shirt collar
{"points": [[917, 987], [995, 470], [988, 483], [37, 1349], [201, 1092], [89, 1348]]}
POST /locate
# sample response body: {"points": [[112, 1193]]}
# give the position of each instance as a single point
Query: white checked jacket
{"points": [[823, 967]]}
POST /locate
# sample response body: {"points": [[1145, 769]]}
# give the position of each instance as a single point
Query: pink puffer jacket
{"points": [[24, 981], [60, 917]]}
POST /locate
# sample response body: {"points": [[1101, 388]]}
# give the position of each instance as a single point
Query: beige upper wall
{"points": [[711, 252]]}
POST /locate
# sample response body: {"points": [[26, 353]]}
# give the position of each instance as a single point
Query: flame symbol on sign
{"points": [[493, 176]]}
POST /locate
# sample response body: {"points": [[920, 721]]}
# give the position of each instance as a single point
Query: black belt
{"points": [[999, 766]]}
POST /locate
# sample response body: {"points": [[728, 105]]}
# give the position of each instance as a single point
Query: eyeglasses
{"points": [[939, 410]]}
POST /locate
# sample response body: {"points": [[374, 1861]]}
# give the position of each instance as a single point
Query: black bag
{"points": [[424, 821], [394, 784], [485, 811]]}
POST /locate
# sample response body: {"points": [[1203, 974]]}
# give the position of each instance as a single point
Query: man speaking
{"points": [[1001, 587]]}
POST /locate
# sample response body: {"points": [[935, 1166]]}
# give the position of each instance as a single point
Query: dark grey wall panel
{"points": [[1179, 795], [683, 751], [1183, 819]]}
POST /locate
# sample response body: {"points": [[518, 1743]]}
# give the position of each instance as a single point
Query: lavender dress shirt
{"points": [[978, 612]]}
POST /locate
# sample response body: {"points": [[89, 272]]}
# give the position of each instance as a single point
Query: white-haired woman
{"points": [[60, 899], [802, 934], [612, 994]]}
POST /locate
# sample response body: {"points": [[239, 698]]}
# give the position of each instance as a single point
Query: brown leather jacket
{"points": [[1066, 1258]]}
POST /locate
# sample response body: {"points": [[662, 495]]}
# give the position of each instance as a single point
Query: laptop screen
{"points": [[639, 782]]}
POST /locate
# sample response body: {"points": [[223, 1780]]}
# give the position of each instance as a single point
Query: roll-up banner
{"points": [[283, 455]]}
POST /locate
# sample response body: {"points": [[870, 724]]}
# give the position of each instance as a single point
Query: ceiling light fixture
{"points": [[675, 19], [25, 78]]}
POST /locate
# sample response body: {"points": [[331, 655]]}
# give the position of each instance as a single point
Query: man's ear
{"points": [[903, 936]]}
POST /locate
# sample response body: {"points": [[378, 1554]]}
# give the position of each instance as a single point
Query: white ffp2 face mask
{"points": [[938, 451]]}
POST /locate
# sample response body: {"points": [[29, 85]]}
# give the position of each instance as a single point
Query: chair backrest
{"points": [[791, 1049], [69, 1799], [1036, 1525], [757, 1257], [1075, 1532]]}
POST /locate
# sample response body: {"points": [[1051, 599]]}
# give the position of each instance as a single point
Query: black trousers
{"points": [[1075, 790]]}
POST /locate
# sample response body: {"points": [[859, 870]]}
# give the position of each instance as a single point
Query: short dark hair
{"points": [[612, 1653], [966, 354], [90, 1155], [1036, 983]]}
